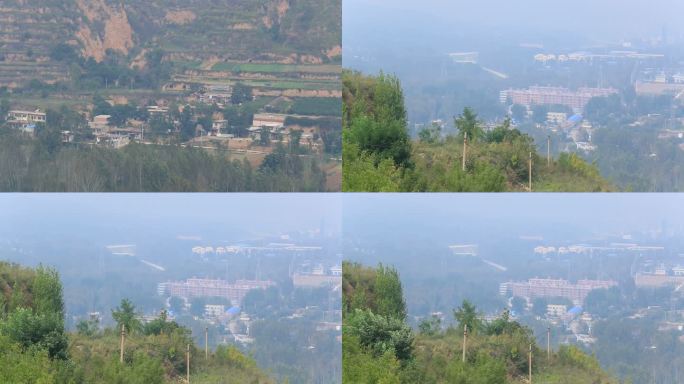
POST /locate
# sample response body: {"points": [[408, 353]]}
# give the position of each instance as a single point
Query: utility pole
{"points": [[548, 150], [465, 336], [465, 144], [121, 349], [206, 342], [529, 364], [548, 343], [187, 364], [530, 172]]}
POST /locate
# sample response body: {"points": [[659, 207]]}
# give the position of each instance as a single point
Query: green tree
{"points": [[430, 326], [381, 334], [467, 315], [376, 118], [431, 134], [88, 327], [126, 315], [241, 94], [467, 123], [295, 137], [390, 297], [265, 136]]}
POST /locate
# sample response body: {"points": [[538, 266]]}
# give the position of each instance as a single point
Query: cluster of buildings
{"points": [[589, 57], [537, 95], [218, 94], [234, 292], [584, 249], [319, 276], [553, 288], [114, 137], [278, 129]]}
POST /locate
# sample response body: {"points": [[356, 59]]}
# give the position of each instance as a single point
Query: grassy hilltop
{"points": [[380, 347], [379, 155], [35, 347]]}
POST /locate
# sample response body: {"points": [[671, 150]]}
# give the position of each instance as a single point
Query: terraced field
{"points": [[241, 36], [276, 68]]}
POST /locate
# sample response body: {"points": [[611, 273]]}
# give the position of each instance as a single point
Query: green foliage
{"points": [[431, 134], [46, 164], [468, 125], [430, 326], [241, 94], [88, 327], [34, 318], [363, 172], [44, 331], [361, 367], [126, 317], [466, 315], [390, 297], [19, 366], [381, 333], [374, 117], [483, 370]]}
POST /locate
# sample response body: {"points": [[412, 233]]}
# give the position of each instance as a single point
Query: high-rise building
{"points": [[234, 292], [576, 100], [548, 288]]}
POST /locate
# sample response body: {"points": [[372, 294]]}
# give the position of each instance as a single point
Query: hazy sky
{"points": [[610, 19], [513, 214], [172, 213]]}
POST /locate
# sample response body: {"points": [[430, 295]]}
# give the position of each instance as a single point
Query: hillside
{"points": [[380, 347], [35, 348], [279, 47], [255, 82], [285, 31], [379, 155]]}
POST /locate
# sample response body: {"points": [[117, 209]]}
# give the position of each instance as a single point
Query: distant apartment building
{"points": [[556, 118], [465, 57], [576, 100], [25, 121], [269, 120], [660, 277], [556, 310], [216, 94], [464, 249], [27, 117], [654, 89], [234, 292], [214, 310], [548, 288], [652, 280], [678, 78]]}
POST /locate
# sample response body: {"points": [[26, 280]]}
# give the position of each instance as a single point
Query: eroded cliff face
{"points": [[275, 13], [117, 33], [287, 31]]}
